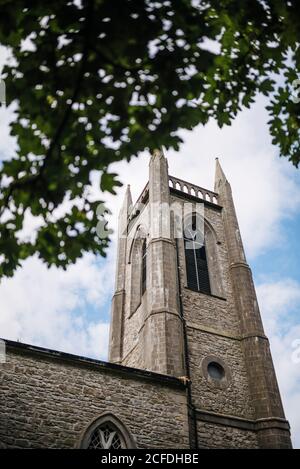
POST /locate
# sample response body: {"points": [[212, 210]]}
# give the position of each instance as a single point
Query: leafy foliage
{"points": [[96, 81]]}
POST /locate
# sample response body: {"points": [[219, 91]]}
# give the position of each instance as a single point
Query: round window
{"points": [[215, 371]]}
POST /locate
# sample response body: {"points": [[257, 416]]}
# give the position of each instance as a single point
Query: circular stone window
{"points": [[216, 371]]}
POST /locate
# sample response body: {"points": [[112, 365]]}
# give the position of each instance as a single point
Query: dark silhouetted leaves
{"points": [[100, 81]]}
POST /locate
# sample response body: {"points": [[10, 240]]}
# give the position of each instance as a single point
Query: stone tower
{"points": [[188, 308]]}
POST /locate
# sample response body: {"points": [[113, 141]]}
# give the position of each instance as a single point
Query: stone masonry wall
{"points": [[213, 332], [232, 398], [205, 309], [212, 436], [47, 401], [133, 354]]}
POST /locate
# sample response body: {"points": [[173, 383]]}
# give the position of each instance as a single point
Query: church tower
{"points": [[185, 305]]}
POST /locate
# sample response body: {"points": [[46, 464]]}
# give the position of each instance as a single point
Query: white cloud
{"points": [[51, 307], [264, 186], [48, 307], [278, 300], [7, 144]]}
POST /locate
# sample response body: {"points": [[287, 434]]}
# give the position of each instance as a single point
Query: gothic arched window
{"points": [[106, 436], [107, 432], [138, 261], [144, 268], [195, 258]]}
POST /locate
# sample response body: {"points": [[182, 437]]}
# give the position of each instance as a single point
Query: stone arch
{"points": [[139, 234], [213, 259], [135, 260], [104, 430]]}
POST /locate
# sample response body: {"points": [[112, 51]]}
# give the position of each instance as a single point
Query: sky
{"points": [[69, 311]]}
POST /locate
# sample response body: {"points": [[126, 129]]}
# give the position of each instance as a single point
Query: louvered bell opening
{"points": [[196, 268], [203, 277], [192, 281]]}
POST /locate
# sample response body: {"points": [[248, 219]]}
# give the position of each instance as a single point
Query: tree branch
{"points": [[60, 129]]}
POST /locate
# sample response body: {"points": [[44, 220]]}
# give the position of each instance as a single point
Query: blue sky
{"points": [[283, 259], [70, 310]]}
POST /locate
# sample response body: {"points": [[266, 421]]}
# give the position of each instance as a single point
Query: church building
{"points": [[189, 362]]}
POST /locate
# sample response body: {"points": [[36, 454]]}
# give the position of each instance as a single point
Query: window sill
{"points": [[206, 294]]}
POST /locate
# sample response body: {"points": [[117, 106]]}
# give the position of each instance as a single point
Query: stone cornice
{"points": [[98, 365]]}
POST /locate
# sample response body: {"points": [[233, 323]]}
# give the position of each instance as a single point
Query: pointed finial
{"points": [[127, 201], [157, 153], [128, 195], [219, 175]]}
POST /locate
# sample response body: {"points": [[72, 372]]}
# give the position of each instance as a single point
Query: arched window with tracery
{"points": [[106, 436], [107, 432], [195, 256]]}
